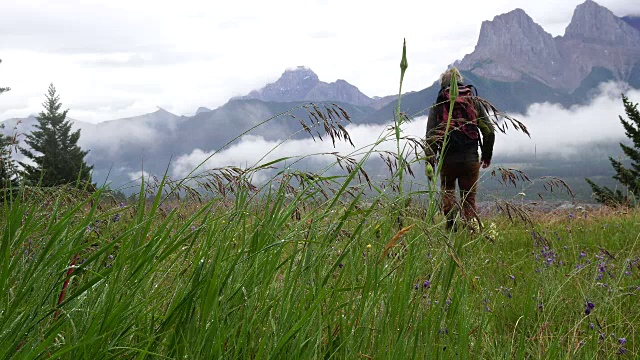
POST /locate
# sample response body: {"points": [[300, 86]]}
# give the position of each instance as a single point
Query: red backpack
{"points": [[464, 118]]}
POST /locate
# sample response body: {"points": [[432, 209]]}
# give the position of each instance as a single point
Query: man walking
{"points": [[454, 134]]}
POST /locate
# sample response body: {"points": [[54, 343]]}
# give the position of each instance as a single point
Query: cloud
{"points": [[556, 133], [138, 176], [181, 56]]}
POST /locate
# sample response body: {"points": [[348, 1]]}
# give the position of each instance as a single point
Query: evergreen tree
{"points": [[8, 170], [54, 148], [629, 177]]}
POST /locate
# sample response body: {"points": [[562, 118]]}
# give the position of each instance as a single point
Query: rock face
{"points": [[302, 84], [592, 23], [513, 45]]}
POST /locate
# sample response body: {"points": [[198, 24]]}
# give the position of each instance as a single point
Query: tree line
{"points": [[53, 156]]}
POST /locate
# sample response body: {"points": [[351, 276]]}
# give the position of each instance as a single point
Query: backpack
{"points": [[463, 129]]}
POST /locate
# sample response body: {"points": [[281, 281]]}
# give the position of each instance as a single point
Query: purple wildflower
{"points": [[570, 216], [622, 341], [582, 254], [591, 326], [340, 265], [116, 218], [427, 284], [589, 307], [622, 351], [512, 277]]}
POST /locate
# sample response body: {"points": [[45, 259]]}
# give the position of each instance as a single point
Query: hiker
{"points": [[469, 127]]}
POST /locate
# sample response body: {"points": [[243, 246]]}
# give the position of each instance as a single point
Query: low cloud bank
{"points": [[556, 133], [560, 133]]}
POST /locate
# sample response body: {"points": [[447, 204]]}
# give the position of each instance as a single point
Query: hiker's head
{"points": [[445, 78]]}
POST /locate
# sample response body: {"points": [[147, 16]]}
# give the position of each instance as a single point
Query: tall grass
{"points": [[307, 266]]}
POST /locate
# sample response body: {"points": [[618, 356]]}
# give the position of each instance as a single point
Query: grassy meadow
{"points": [[312, 266], [293, 273]]}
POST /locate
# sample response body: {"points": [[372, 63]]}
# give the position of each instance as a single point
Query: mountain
{"points": [[512, 45], [302, 84], [202, 109], [516, 63]]}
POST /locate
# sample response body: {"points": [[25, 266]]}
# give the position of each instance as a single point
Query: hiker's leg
{"points": [[468, 184], [448, 188]]}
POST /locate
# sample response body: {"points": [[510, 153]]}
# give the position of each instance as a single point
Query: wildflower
{"points": [[622, 341], [622, 351], [570, 216], [591, 326], [340, 265], [416, 287], [582, 254], [512, 277], [121, 204], [589, 307], [427, 284], [368, 246], [116, 218]]}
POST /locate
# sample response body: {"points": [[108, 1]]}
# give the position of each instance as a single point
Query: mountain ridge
{"points": [[535, 57], [512, 45], [302, 84]]}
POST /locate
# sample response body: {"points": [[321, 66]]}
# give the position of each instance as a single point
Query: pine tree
{"points": [[8, 170], [629, 177], [54, 149]]}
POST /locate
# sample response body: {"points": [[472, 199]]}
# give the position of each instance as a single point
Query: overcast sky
{"points": [[113, 59]]}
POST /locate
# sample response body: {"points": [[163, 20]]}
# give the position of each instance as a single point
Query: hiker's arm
{"points": [[488, 135]]}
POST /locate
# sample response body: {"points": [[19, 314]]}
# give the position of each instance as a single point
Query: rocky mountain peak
{"points": [[202, 109], [299, 73], [302, 84], [512, 41], [512, 47], [593, 23], [514, 32], [293, 85]]}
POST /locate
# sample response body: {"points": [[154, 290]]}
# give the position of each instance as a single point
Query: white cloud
{"points": [[555, 132], [138, 176], [182, 55], [559, 132]]}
